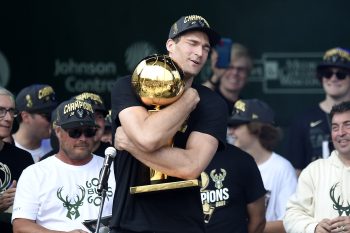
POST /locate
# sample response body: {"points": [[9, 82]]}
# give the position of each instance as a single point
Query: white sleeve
{"points": [[287, 187], [300, 207], [26, 203]]}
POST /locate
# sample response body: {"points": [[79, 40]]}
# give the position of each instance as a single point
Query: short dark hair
{"points": [[268, 135], [339, 108]]}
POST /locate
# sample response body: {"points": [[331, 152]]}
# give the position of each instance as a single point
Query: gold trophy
{"points": [[159, 81]]}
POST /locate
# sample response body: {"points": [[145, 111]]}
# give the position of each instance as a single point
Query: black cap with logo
{"points": [[36, 98], [193, 23], [74, 114], [95, 100], [335, 57], [251, 110]]}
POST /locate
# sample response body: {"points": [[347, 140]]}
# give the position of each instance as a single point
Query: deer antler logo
{"points": [[338, 204], [218, 178], [72, 207], [7, 177]]}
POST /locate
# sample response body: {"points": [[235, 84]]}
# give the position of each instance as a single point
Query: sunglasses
{"points": [[77, 132], [341, 75]]}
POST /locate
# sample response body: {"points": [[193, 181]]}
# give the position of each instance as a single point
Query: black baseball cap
{"points": [[95, 100], [335, 57], [36, 98], [251, 110], [74, 114], [193, 23]]}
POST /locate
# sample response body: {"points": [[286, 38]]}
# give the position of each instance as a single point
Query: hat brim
{"points": [[330, 64], [213, 36], [236, 122], [78, 124]]}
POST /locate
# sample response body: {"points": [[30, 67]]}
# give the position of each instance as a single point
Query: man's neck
{"points": [[229, 95], [327, 104], [345, 159], [26, 140], [259, 153]]}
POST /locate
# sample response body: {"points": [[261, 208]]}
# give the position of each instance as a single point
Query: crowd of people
{"points": [[50, 166]]}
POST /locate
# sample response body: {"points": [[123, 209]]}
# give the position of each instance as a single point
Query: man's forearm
{"points": [[274, 227]]}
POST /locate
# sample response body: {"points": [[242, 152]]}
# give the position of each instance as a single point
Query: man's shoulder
{"points": [[210, 97], [14, 151], [234, 155], [311, 112]]}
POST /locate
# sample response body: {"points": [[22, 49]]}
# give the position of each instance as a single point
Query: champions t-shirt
{"points": [[165, 211]]}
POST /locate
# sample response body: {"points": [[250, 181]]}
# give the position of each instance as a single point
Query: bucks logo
{"points": [[72, 204], [338, 203], [5, 182], [218, 178]]}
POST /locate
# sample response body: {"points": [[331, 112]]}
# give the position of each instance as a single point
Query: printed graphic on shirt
{"points": [[217, 197], [339, 204], [5, 177], [317, 137], [72, 201]]}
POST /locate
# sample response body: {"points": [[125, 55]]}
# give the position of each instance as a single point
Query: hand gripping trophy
{"points": [[159, 82]]}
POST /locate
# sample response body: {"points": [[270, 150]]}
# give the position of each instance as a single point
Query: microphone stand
{"points": [[103, 194]]}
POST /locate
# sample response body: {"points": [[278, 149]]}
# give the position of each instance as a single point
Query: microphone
{"points": [[110, 154]]}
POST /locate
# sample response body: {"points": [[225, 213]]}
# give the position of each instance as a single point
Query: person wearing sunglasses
{"points": [[35, 104], [100, 112], [59, 193], [12, 160], [309, 134]]}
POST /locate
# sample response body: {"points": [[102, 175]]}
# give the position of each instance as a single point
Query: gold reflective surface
{"points": [[158, 80]]}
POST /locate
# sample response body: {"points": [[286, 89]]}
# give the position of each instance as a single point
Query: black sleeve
{"points": [[254, 186]]}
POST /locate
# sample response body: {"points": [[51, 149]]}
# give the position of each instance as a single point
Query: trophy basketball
{"points": [[159, 81]]}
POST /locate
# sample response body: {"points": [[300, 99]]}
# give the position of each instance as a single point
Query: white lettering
{"points": [[73, 84], [72, 67], [215, 195]]}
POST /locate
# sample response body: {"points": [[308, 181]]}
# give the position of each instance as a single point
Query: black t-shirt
{"points": [[230, 182], [177, 210], [13, 161], [230, 104], [306, 136], [100, 151]]}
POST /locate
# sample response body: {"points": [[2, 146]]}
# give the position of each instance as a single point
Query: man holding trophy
{"points": [[165, 124]]}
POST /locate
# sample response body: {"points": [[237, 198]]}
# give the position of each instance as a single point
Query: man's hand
{"points": [[121, 141], [191, 97], [340, 224], [324, 226], [7, 197]]}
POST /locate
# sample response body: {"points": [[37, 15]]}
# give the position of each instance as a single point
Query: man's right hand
{"points": [[324, 226], [7, 197], [191, 97]]}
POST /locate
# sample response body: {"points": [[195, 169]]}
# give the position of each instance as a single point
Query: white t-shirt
{"points": [[280, 181], [44, 148], [47, 190]]}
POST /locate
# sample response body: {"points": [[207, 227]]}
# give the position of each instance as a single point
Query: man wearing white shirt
{"points": [[59, 193]]}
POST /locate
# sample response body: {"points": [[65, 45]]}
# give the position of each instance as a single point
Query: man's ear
{"points": [[58, 131], [25, 116], [170, 45]]}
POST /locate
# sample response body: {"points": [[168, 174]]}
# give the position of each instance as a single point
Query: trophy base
{"points": [[164, 186]]}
